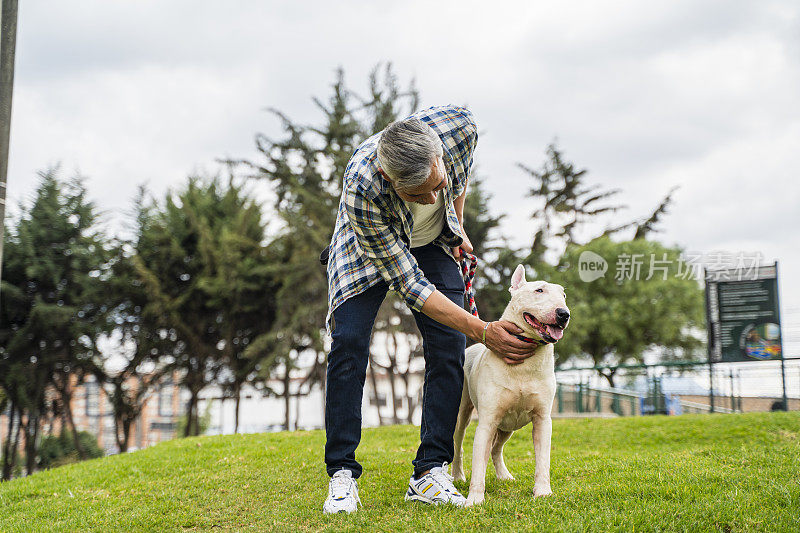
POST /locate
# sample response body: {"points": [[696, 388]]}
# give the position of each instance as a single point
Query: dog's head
{"points": [[538, 307]]}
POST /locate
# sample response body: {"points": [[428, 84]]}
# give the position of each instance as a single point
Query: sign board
{"points": [[742, 314]]}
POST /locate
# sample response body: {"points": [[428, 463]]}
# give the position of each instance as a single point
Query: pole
{"points": [[8, 42], [739, 383], [560, 396], [780, 339], [711, 384], [711, 341], [733, 405]]}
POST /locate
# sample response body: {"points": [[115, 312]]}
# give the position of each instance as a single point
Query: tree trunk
{"points": [[64, 423], [196, 419], [286, 399], [193, 419], [66, 397], [374, 382], [392, 367], [9, 453], [15, 446], [51, 426], [126, 434], [296, 410], [117, 429], [237, 398], [31, 434], [123, 423], [190, 408], [609, 377], [323, 385], [410, 403]]}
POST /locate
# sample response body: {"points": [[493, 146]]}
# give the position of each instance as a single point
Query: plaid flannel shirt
{"points": [[373, 225]]}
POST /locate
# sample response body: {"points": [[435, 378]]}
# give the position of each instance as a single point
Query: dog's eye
{"points": [[539, 290]]}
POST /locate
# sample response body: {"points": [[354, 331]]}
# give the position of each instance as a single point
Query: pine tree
{"points": [[648, 225], [305, 168], [53, 306], [130, 385], [208, 284], [566, 203]]}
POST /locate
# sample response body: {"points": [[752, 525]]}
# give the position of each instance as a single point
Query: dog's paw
{"points": [[541, 490], [474, 499], [505, 475], [458, 475]]}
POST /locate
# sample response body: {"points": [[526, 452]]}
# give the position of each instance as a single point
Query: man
{"points": [[400, 227]]}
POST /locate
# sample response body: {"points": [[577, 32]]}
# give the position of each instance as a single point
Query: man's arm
{"points": [[459, 205], [499, 334], [386, 252]]}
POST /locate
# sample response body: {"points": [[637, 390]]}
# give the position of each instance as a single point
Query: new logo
{"points": [[591, 266]]}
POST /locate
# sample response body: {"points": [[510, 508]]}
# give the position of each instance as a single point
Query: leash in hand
{"points": [[468, 267]]}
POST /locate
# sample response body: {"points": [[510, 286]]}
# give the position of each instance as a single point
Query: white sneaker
{"points": [[435, 487], [342, 494]]}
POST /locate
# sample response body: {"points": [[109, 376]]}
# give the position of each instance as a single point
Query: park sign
{"points": [[742, 314]]}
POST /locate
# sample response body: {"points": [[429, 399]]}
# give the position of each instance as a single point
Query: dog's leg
{"points": [[542, 430], [497, 455], [464, 417], [480, 457]]}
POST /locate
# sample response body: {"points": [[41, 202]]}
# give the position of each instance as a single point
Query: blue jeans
{"points": [[443, 349]]}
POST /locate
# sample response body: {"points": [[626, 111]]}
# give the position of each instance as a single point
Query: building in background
{"points": [[92, 412], [259, 413]]}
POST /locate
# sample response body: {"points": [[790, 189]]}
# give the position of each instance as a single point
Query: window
{"points": [[165, 394], [162, 426], [109, 438], [92, 398], [105, 402], [380, 401]]}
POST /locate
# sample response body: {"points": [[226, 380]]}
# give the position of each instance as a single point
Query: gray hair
{"points": [[406, 151]]}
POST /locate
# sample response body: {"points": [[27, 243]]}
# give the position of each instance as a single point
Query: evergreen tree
{"points": [[305, 168], [648, 225], [306, 197], [53, 308], [566, 203], [208, 283], [129, 385]]}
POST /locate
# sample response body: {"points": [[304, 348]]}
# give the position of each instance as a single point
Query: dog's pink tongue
{"points": [[555, 332]]}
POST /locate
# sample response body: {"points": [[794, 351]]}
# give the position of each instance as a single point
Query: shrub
{"points": [[203, 423], [17, 470], [59, 450]]}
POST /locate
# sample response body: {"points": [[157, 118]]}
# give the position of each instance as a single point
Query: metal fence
{"points": [[677, 388]]}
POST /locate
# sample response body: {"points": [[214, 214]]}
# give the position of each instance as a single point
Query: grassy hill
{"points": [[696, 473]]}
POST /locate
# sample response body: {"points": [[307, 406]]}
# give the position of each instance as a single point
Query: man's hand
{"points": [[501, 340], [499, 335], [466, 245]]}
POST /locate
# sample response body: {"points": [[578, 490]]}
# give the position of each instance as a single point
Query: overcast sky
{"points": [[646, 95]]}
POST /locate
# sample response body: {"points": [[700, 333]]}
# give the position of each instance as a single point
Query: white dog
{"points": [[507, 397]]}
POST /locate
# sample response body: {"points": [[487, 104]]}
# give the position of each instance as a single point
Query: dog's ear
{"points": [[517, 279]]}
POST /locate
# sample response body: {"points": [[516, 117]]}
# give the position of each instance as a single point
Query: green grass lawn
{"points": [[688, 473]]}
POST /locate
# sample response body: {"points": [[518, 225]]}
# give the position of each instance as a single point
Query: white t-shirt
{"points": [[428, 221]]}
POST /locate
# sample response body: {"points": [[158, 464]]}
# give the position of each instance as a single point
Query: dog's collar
{"points": [[528, 339]]}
